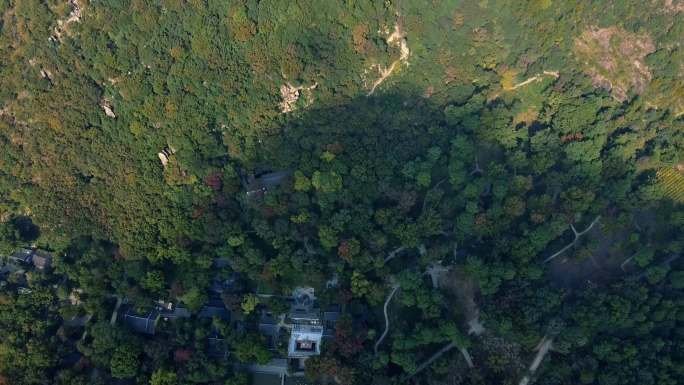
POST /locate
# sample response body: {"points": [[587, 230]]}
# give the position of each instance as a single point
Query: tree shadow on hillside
{"points": [[382, 173], [28, 231], [598, 265]]}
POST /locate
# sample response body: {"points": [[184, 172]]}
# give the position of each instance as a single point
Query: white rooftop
{"points": [[305, 341]]}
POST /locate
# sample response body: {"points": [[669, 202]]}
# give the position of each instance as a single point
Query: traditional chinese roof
{"points": [[22, 255], [41, 259], [303, 308], [214, 309], [177, 313], [145, 323], [305, 341], [264, 182]]}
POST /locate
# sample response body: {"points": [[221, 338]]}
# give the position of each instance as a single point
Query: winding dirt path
{"points": [[115, 313], [397, 38], [441, 352], [535, 78], [577, 234], [544, 347], [384, 309], [394, 253]]}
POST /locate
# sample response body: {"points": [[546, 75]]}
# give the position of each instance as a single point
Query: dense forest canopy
{"points": [[491, 192]]}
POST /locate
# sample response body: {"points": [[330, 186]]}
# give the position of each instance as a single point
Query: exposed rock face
{"points": [[674, 6], [163, 158], [615, 59], [165, 155], [475, 327], [290, 96], [75, 297], [106, 106], [63, 25], [46, 74]]}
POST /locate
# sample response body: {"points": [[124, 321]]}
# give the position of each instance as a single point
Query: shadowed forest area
{"points": [[486, 192]]}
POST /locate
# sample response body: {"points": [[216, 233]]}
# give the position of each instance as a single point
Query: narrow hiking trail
{"points": [[578, 235], [396, 39], [384, 309], [543, 349], [535, 78]]}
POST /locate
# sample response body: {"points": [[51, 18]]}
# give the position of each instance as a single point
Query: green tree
{"points": [[163, 377], [249, 303], [327, 236], [327, 182], [194, 298], [240, 378], [124, 361], [154, 281], [360, 286], [9, 237], [677, 279], [252, 348], [301, 182]]}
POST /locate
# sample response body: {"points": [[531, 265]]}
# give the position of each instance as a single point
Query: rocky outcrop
{"points": [[63, 25], [107, 107], [290, 96], [615, 59], [165, 155]]}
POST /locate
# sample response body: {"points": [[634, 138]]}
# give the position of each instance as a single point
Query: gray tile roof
{"points": [[141, 323], [217, 347], [42, 260], [177, 313], [214, 309], [266, 181], [276, 366], [23, 255]]}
